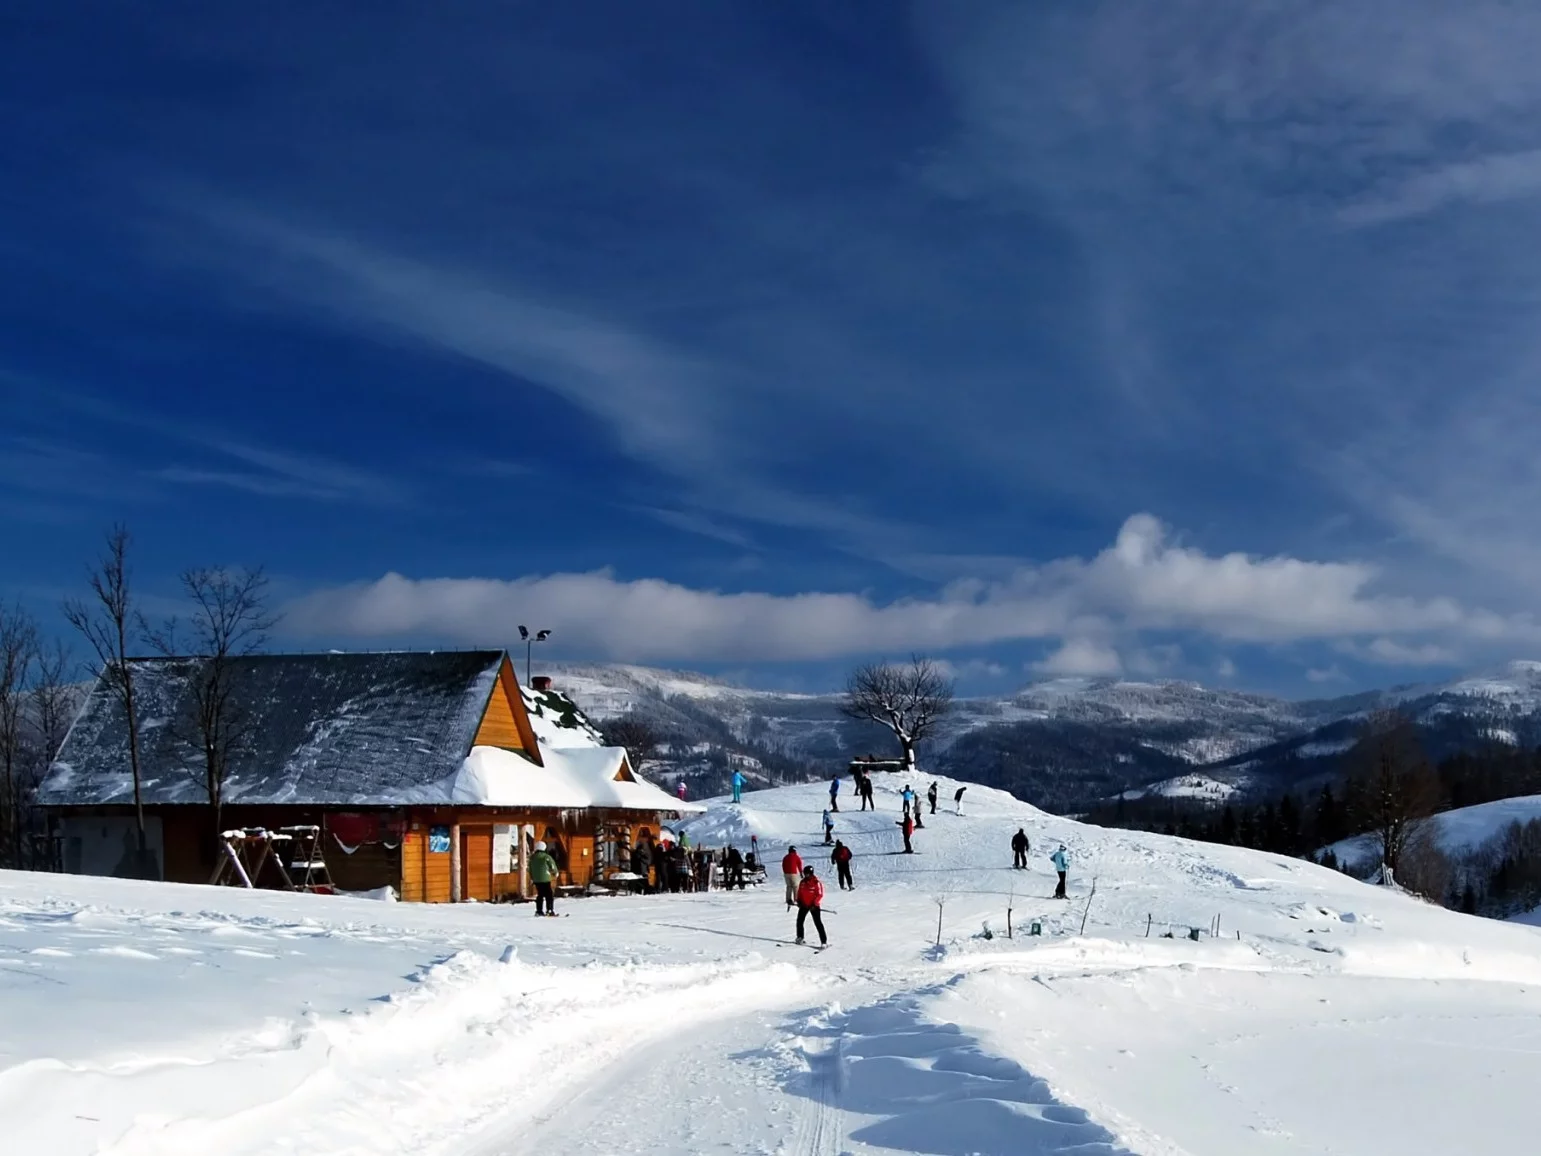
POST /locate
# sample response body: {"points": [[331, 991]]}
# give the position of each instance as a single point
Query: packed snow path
{"points": [[138, 1018]]}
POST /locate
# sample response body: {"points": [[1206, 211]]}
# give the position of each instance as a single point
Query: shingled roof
{"points": [[346, 729]]}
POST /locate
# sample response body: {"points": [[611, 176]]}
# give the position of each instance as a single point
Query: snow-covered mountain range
{"points": [[1061, 743]]}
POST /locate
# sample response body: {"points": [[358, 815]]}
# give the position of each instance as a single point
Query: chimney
{"points": [[541, 682]]}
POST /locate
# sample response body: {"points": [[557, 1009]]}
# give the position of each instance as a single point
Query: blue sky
{"points": [[1189, 340]]}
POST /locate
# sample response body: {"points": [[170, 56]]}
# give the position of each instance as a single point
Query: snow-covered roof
{"points": [[572, 777], [383, 729], [315, 729]]}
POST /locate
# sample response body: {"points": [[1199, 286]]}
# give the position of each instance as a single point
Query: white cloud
{"points": [[974, 668], [1226, 668], [1143, 582], [1486, 180], [1389, 652], [1332, 673], [1081, 656]]}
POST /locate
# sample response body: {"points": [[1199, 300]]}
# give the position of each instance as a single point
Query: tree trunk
{"points": [[909, 753], [133, 758]]}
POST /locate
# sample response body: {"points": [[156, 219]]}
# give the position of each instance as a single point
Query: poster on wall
{"points": [[438, 840], [503, 860]]}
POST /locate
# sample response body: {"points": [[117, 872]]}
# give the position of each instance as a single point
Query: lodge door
{"points": [[476, 863]]}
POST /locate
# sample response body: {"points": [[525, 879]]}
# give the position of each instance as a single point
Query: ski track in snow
{"points": [[153, 1020]]}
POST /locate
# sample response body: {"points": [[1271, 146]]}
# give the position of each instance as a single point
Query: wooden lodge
{"points": [[431, 773]]}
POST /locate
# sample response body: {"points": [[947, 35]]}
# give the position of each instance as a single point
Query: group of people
{"points": [[676, 866], [1021, 845]]}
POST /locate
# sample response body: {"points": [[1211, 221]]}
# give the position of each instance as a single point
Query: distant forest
{"points": [[1387, 790]]}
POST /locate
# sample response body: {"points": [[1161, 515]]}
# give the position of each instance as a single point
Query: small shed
{"points": [[430, 772]]}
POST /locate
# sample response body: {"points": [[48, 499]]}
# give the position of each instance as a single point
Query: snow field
{"points": [[146, 1018]]}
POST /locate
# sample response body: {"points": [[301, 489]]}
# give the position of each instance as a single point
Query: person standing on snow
{"points": [[680, 790], [907, 825], [841, 858], [1019, 849], [1061, 863], [733, 864], [792, 873], [834, 793], [543, 875], [907, 797], [829, 829], [810, 894], [957, 799], [738, 786], [931, 795], [866, 793]]}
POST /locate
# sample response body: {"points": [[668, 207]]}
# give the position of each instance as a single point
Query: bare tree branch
{"points": [[1392, 788], [18, 652], [634, 733], [228, 620], [909, 700], [107, 621]]}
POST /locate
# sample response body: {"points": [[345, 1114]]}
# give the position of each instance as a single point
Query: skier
{"points": [[957, 799], [829, 829], [738, 786], [907, 796], [841, 858], [680, 790], [1061, 863], [866, 793], [543, 875], [810, 894], [1019, 849], [791, 872], [907, 825], [834, 792], [931, 794]]}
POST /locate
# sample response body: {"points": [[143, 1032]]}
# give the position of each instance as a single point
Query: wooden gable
{"points": [[505, 723]]}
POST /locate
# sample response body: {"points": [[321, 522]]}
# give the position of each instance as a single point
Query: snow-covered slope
{"points": [[1456, 832], [1325, 1015]]}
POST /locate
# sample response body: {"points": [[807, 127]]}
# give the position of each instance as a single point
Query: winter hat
{"points": [[807, 871], [540, 846]]}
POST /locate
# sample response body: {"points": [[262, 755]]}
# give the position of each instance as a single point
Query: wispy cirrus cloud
{"points": [[279, 474]]}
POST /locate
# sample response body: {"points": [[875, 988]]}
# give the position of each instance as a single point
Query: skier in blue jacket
{"points": [[738, 786], [1061, 863]]}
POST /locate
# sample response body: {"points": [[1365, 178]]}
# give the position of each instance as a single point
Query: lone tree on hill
{"points": [[909, 700], [1392, 788]]}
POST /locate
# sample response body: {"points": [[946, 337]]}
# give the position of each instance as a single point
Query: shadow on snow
{"points": [[918, 1086]]}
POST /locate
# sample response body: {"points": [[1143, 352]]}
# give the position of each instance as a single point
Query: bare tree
{"points": [[634, 733], [228, 620], [18, 650], [55, 699], [1392, 787], [107, 621], [909, 700]]}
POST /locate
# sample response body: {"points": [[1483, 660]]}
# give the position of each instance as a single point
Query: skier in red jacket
{"points": [[810, 894], [791, 872]]}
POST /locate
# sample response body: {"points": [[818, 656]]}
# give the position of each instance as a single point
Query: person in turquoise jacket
{"points": [[1061, 862], [738, 786], [543, 875]]}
